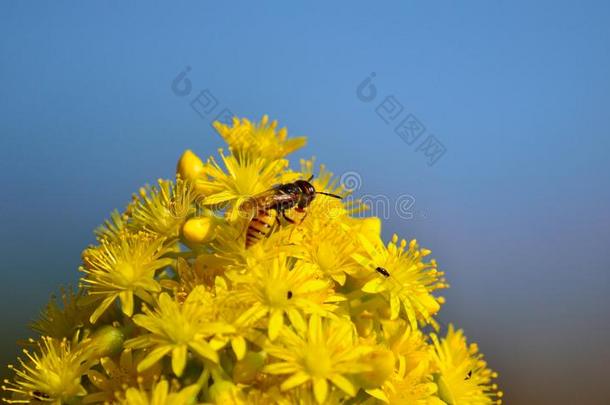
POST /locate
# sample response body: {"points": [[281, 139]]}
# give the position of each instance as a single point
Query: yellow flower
{"points": [[245, 177], [264, 139], [63, 321], [161, 394], [318, 311], [228, 253], [187, 279], [412, 380], [113, 228], [403, 278], [113, 376], [329, 248], [326, 353], [51, 375], [463, 374], [177, 329], [122, 268], [162, 209], [276, 289]]}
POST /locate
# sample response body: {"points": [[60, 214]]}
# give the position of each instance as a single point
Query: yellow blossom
{"points": [[176, 329], [325, 354], [63, 321], [262, 139], [112, 375], [464, 377], [53, 374], [122, 268], [329, 248], [403, 278], [162, 209], [245, 177], [276, 289], [114, 228], [161, 394], [175, 308]]}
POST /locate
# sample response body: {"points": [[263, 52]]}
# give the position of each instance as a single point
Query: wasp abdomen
{"points": [[260, 226]]}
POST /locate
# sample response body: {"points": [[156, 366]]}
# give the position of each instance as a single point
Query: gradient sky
{"points": [[516, 211]]}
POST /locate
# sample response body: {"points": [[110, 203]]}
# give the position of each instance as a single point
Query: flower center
{"points": [[326, 257], [277, 294], [317, 361]]}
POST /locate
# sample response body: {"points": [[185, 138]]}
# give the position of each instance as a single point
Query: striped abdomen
{"points": [[260, 226]]}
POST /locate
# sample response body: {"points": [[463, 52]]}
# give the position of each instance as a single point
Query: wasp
{"points": [[266, 208]]}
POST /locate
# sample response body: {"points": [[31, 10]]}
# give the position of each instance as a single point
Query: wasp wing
{"points": [[273, 198]]}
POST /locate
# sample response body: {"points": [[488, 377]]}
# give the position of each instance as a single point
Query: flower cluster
{"points": [[226, 286]]}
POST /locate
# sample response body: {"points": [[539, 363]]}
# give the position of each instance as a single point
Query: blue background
{"points": [[516, 211]]}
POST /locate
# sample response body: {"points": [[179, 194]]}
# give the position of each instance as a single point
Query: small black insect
{"points": [[382, 271], [289, 294], [469, 375]]}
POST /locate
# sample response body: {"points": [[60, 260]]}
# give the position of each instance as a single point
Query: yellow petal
{"points": [[204, 350], [373, 286], [160, 393], [102, 308], [126, 302], [179, 359], [379, 394], [153, 357], [343, 383], [315, 329], [294, 380], [280, 368], [296, 319], [394, 307], [276, 321], [320, 389], [239, 347]]}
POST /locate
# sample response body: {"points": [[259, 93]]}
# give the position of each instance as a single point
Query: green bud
{"points": [[106, 341], [245, 370]]}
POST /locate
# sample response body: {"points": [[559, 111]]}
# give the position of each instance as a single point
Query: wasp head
{"points": [[308, 192]]}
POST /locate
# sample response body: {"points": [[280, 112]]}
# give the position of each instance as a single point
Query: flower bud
{"points": [[106, 341], [245, 370], [199, 230], [189, 166]]}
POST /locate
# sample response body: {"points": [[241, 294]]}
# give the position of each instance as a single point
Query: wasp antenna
{"points": [[329, 194], [310, 178]]}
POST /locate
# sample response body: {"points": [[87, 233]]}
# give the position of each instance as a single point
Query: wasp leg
{"points": [[292, 221], [277, 223], [304, 216]]}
